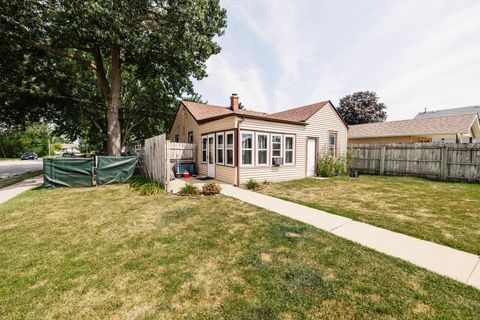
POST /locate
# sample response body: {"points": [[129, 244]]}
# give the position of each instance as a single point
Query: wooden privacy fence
{"points": [[159, 154], [155, 158], [433, 160], [181, 151]]}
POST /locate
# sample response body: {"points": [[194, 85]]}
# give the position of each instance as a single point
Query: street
{"points": [[13, 167]]}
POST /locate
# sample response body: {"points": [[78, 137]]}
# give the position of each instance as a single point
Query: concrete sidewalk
{"points": [[456, 264], [14, 190]]}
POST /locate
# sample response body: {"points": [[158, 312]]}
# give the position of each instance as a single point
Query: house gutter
{"points": [[237, 148]]}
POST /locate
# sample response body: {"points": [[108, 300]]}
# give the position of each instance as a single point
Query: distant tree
{"points": [[17, 140], [362, 107]]}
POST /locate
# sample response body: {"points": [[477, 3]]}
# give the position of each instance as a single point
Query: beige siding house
{"points": [[234, 145], [461, 128]]}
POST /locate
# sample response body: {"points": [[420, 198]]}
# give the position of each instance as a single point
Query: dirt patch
{"points": [[293, 235], [265, 257]]}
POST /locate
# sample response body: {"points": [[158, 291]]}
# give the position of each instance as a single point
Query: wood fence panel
{"points": [[181, 151], [433, 160], [155, 158]]}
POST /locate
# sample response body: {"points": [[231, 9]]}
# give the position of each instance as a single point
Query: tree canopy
{"points": [[362, 107], [103, 70]]}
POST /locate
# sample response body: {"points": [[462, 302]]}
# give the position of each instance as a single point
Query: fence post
{"points": [[382, 160], [444, 163]]}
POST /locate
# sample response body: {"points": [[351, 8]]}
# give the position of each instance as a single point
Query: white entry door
{"points": [[311, 154], [211, 156]]}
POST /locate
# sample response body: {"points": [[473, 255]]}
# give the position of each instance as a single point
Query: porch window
{"points": [[332, 143], [289, 149], [262, 149], [190, 137], [204, 149], [220, 148], [276, 146], [247, 148], [229, 148]]}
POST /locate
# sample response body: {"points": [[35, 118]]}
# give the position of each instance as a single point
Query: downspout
{"points": [[237, 148]]}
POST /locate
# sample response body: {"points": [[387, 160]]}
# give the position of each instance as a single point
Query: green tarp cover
{"points": [[115, 169], [65, 172]]}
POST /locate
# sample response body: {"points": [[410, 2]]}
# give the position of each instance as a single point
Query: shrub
{"points": [[252, 185], [211, 188], [329, 166], [326, 165], [146, 186], [188, 190]]}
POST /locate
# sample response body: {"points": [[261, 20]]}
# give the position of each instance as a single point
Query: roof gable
{"points": [[423, 126]]}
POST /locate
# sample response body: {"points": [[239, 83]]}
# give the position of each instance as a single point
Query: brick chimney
{"points": [[234, 102]]}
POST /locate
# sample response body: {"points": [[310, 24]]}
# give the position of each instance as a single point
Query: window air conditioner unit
{"points": [[276, 161]]}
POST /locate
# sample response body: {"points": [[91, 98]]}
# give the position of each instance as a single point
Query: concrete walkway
{"points": [[456, 264], [14, 190]]}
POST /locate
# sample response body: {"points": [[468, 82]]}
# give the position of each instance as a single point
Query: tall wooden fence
{"points": [[159, 154], [433, 160], [155, 158]]}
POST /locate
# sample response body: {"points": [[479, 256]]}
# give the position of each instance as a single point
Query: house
{"points": [[70, 148], [448, 112], [234, 144], [460, 128]]}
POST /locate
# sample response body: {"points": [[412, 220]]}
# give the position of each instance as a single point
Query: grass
{"points": [[5, 182], [112, 253], [443, 212]]}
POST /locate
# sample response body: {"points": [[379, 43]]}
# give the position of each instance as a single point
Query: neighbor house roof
{"points": [[460, 124], [207, 112], [448, 112]]}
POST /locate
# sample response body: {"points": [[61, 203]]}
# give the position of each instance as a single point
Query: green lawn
{"points": [[18, 178], [108, 252], [442, 212]]}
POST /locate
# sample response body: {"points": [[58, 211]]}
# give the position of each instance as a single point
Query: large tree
{"points": [[362, 107], [109, 64]]}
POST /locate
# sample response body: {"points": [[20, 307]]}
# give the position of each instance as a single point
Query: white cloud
{"points": [[414, 54]]}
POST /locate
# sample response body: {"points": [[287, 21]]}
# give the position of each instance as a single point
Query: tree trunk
{"points": [[114, 141]]}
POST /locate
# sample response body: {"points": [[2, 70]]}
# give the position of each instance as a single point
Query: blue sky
{"points": [[278, 54]]}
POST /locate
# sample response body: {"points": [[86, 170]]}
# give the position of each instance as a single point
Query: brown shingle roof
{"points": [[205, 112], [415, 127], [300, 114]]}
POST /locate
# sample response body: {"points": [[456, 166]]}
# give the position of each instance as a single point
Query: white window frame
{"points": [[267, 149], [217, 147], [252, 149], [335, 146], [232, 148], [204, 149], [271, 144], [285, 150]]}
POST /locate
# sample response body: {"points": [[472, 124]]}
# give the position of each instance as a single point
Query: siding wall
{"points": [[319, 125], [184, 122]]}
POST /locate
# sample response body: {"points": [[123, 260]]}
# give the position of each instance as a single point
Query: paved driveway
{"points": [[12, 167]]}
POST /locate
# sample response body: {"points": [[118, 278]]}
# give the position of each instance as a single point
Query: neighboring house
{"points": [[448, 112], [461, 128], [234, 145], [70, 147]]}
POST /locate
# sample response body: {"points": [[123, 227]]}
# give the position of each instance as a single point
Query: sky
{"points": [[280, 54]]}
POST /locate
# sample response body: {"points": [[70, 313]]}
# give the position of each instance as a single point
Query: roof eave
{"points": [[203, 121]]}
